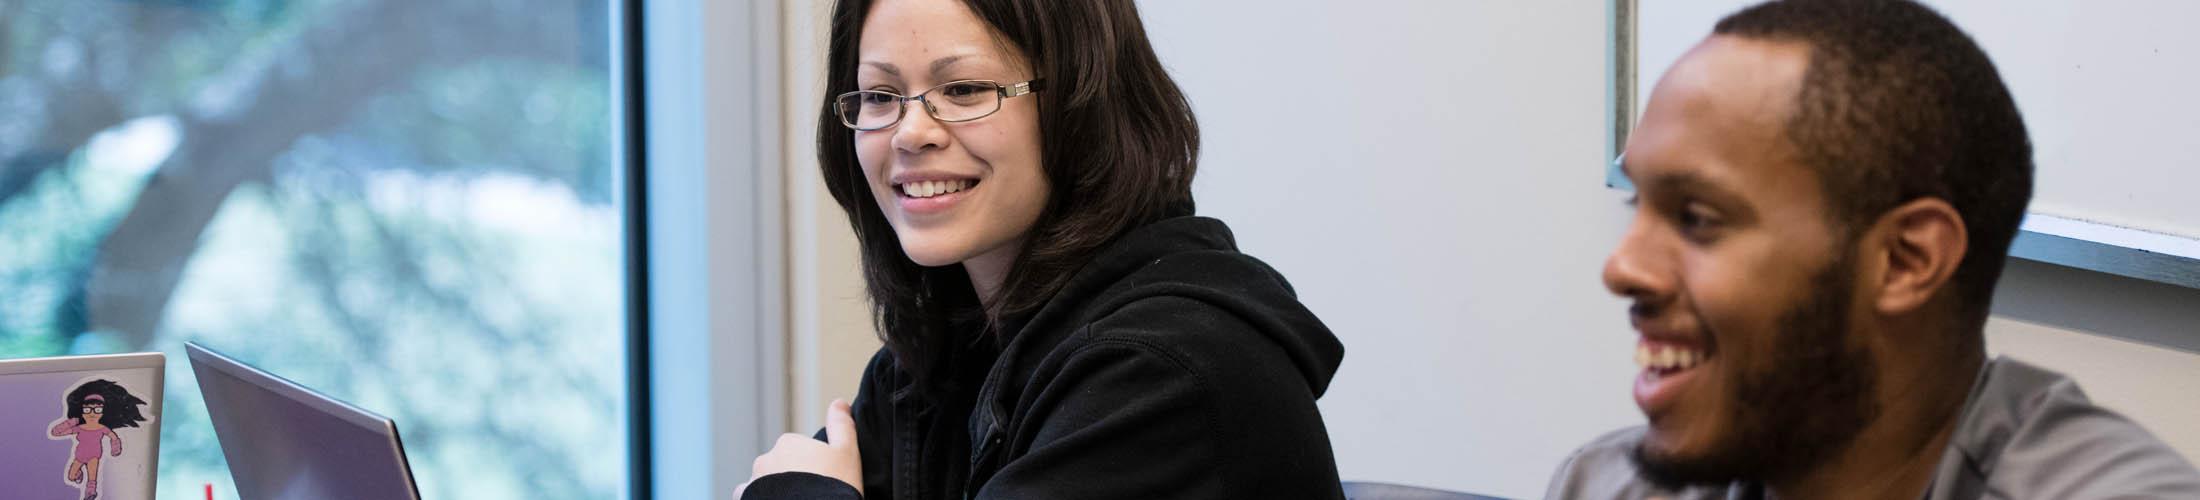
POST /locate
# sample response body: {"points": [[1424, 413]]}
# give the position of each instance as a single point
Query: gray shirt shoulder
{"points": [[2031, 433], [2026, 432], [1605, 469]]}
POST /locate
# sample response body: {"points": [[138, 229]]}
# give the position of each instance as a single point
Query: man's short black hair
{"points": [[1898, 104]]}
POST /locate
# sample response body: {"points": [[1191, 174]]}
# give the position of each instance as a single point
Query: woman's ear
{"points": [[1922, 242]]}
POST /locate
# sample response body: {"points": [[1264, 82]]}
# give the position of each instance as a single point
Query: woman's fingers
{"points": [[840, 427]]}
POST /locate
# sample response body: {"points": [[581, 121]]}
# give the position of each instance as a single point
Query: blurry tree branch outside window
{"points": [[412, 205]]}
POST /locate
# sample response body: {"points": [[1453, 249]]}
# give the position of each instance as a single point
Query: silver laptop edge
{"points": [[202, 356]]}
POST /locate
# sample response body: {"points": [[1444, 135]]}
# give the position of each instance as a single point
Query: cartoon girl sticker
{"points": [[96, 410]]}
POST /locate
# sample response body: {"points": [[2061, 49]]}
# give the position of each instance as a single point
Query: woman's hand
{"points": [[838, 459]]}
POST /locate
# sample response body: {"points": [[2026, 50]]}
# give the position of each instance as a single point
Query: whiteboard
{"points": [[2110, 92]]}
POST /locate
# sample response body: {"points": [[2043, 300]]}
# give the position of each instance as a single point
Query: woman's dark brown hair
{"points": [[1118, 147]]}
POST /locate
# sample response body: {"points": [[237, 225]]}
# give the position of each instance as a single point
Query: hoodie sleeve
{"points": [[873, 401], [799, 486], [1168, 398]]}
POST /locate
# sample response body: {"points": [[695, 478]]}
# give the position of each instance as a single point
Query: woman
{"points": [[1057, 324]]}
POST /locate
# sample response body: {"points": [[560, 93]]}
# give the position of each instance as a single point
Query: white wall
{"points": [[1429, 175]]}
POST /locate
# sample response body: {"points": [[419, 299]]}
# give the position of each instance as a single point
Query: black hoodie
{"points": [[1171, 366]]}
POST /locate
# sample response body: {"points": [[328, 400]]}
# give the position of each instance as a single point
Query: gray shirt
{"points": [[2025, 433]]}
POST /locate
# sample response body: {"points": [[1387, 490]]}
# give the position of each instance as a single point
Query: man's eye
{"points": [[1695, 218]]}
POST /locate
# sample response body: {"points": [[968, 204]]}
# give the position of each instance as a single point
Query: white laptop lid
{"points": [[46, 451]]}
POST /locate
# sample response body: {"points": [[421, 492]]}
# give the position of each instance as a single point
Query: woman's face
{"points": [[959, 191]]}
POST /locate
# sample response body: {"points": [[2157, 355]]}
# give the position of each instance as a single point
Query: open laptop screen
{"points": [[284, 441]]}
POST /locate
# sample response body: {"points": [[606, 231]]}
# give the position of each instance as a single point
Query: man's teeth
{"points": [[928, 189], [1667, 357]]}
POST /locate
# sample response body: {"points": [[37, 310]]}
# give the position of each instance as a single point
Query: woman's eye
{"points": [[877, 98], [962, 90]]}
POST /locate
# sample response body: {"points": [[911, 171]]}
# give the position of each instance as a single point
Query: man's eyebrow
{"points": [[1678, 181], [1693, 184]]}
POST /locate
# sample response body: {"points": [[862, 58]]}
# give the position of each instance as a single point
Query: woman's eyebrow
{"points": [[889, 68], [940, 65], [937, 66]]}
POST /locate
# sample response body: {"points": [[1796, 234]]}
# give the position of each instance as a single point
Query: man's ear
{"points": [[1921, 244]]}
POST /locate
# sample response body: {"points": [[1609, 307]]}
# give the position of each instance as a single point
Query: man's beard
{"points": [[1811, 403]]}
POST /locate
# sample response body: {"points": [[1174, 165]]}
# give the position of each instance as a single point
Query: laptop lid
{"points": [[285, 441], [79, 425]]}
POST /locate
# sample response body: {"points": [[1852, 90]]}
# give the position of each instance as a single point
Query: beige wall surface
{"points": [[831, 337]]}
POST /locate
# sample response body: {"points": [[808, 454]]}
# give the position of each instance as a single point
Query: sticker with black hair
{"points": [[121, 406]]}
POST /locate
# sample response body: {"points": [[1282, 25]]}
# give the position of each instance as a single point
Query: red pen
{"points": [[209, 491]]}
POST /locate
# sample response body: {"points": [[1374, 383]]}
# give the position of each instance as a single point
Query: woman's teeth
{"points": [[1667, 358], [928, 189]]}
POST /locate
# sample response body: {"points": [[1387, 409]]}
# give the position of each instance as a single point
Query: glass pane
{"points": [[412, 206], [870, 110], [964, 101]]}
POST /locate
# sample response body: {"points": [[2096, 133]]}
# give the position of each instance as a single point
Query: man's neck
{"points": [[1921, 403]]}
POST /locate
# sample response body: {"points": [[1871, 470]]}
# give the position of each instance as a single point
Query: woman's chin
{"points": [[943, 246], [931, 256]]}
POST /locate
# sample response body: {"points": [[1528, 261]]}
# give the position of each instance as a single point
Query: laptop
{"points": [[285, 441], [80, 427]]}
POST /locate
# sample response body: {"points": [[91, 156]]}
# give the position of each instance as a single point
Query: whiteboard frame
{"points": [[2123, 251]]}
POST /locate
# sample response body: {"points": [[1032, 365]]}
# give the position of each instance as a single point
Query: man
{"points": [[1826, 194]]}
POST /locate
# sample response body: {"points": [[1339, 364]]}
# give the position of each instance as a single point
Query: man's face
{"points": [[1742, 283]]}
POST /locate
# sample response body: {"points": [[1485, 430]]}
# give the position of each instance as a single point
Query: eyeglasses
{"points": [[95, 409], [956, 101]]}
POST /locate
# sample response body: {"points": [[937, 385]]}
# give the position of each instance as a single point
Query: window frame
{"points": [[706, 241]]}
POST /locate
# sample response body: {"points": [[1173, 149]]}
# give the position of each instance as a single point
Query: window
{"points": [[413, 206]]}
